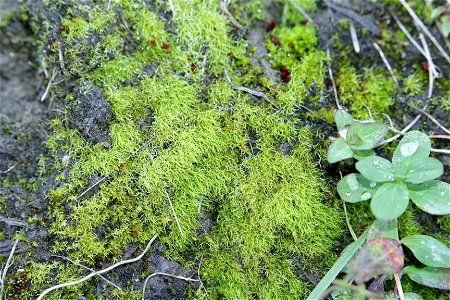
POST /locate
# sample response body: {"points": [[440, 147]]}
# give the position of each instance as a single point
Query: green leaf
{"points": [[365, 136], [431, 196], [415, 145], [436, 12], [407, 296], [339, 150], [433, 277], [383, 228], [354, 188], [361, 154], [376, 169], [445, 25], [345, 257], [428, 250], [343, 121], [390, 201], [423, 170]]}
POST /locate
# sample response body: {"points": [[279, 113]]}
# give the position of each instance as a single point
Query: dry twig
{"points": [[5, 269], [247, 90], [50, 82], [224, 7], [330, 73], [174, 214], [89, 269], [354, 38], [41, 296], [386, 62], [425, 29], [12, 222], [302, 11]]}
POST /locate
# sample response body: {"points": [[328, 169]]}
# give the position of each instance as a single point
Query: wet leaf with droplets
{"points": [[343, 119], [415, 145], [383, 228], [378, 256], [354, 188], [431, 196], [339, 150], [376, 169], [361, 154], [433, 277], [423, 170], [428, 250], [365, 136], [390, 201]]}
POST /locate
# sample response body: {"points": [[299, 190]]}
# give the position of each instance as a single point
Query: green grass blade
{"points": [[346, 255]]}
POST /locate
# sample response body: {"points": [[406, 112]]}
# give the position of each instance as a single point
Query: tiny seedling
{"points": [[378, 252]]}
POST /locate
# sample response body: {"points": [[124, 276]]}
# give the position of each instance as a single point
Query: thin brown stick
{"points": [[439, 136], [386, 62], [174, 214], [89, 269], [402, 132], [398, 284], [41, 296], [431, 68], [224, 7], [165, 274], [5, 269], [425, 30]]}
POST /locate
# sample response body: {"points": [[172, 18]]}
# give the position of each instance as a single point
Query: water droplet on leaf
{"points": [[409, 148]]}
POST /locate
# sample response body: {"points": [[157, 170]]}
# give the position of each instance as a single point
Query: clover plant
{"points": [[390, 185]]}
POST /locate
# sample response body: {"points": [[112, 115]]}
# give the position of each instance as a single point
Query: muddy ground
{"points": [[26, 109]]}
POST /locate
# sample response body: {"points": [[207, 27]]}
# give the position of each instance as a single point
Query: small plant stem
{"points": [[386, 62], [165, 274], [348, 223], [50, 82], [175, 215], [439, 136], [443, 151], [435, 121], [425, 29], [399, 286], [330, 72], [120, 263]]}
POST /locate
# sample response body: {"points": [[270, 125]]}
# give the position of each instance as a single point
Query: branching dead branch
{"points": [[406, 32], [425, 30], [386, 62], [51, 289], [250, 91], [89, 269], [165, 274], [8, 264]]}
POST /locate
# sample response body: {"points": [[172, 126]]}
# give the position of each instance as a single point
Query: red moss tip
{"points": [[165, 46], [285, 75]]}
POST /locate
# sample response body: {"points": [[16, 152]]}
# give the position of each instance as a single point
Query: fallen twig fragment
{"points": [[250, 91], [330, 73], [354, 38], [425, 30], [174, 214], [5, 269], [50, 82], [12, 222], [224, 7], [120, 263], [386, 62]]}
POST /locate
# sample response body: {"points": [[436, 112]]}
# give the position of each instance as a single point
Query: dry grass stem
{"points": [[174, 214], [330, 73], [250, 91], [50, 82], [89, 269], [354, 38], [435, 122], [9, 169], [9, 262], [302, 11], [224, 7], [41, 296], [386, 62], [406, 32], [425, 30]]}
